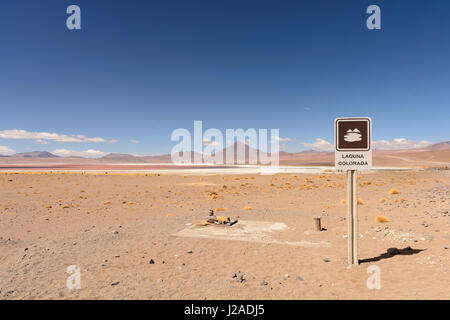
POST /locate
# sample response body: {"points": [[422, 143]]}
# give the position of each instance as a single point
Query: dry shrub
{"points": [[223, 219], [381, 219], [394, 191]]}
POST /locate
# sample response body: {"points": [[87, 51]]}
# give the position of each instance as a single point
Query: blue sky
{"points": [[137, 70]]}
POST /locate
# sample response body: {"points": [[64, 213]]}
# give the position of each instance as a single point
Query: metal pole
{"points": [[352, 216], [317, 224], [355, 217], [349, 217]]}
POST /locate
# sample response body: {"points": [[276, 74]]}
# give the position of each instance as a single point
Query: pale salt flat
{"points": [[250, 231]]}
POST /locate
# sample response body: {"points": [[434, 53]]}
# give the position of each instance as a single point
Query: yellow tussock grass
{"points": [[381, 219]]}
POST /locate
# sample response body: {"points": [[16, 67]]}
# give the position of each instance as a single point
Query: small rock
{"points": [[286, 276], [159, 280], [447, 247], [115, 283], [326, 260], [264, 283], [239, 276], [151, 261], [190, 251], [300, 279]]}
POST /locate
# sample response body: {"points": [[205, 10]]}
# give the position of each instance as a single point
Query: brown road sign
{"points": [[353, 141]]}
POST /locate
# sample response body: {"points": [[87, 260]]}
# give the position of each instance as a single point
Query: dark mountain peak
{"points": [[36, 154]]}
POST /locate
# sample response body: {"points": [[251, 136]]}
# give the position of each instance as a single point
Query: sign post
{"points": [[352, 216], [353, 141]]}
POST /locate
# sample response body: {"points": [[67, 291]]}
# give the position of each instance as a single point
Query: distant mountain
{"points": [[122, 157], [444, 145], [310, 151], [167, 158], [35, 154], [435, 154]]}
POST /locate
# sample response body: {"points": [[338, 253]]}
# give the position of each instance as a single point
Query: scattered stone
{"points": [[239, 277], [264, 283], [115, 283], [152, 261], [326, 260], [190, 251]]}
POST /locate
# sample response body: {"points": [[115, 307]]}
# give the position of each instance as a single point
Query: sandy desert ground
{"points": [[119, 229]]}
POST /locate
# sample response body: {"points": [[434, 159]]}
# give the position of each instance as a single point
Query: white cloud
{"points": [[6, 151], [319, 145], [307, 108], [277, 138], [399, 143], [43, 137], [134, 141], [42, 141], [396, 143], [91, 153]]}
